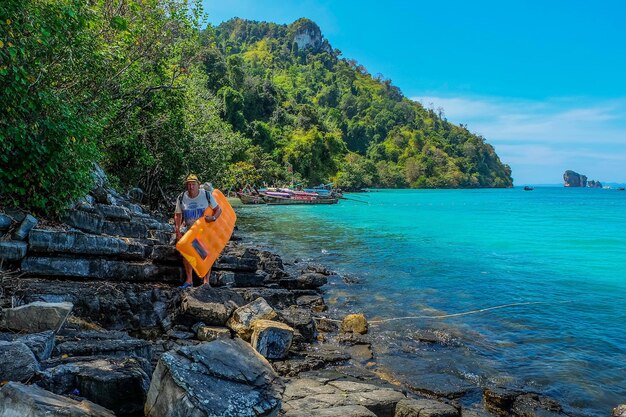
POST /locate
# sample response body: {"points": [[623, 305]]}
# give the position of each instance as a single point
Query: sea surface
{"points": [[424, 253]]}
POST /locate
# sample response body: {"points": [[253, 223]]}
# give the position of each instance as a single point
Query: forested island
{"points": [[151, 92]]}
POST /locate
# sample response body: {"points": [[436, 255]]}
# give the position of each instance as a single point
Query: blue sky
{"points": [[543, 81]]}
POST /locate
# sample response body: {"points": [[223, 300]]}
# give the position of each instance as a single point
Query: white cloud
{"points": [[540, 139]]}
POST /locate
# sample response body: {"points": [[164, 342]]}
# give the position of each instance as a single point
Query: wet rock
{"points": [[12, 250], [310, 395], [307, 281], [17, 362], [327, 325], [440, 385], [32, 401], [361, 353], [425, 408], [41, 344], [318, 269], [21, 233], [210, 333], [619, 411], [220, 378], [242, 319], [35, 317], [354, 323], [313, 302], [210, 305], [301, 320], [98, 268], [534, 405], [119, 384], [55, 241], [88, 222], [271, 339], [499, 400], [101, 343]]}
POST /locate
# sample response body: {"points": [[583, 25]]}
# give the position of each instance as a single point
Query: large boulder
{"points": [[17, 362], [354, 323], [32, 401], [213, 306], [311, 396], [56, 241], [117, 306], [12, 250], [99, 268], [425, 408], [301, 320], [242, 319], [41, 344], [220, 378], [119, 384], [306, 281], [35, 317], [101, 343], [271, 339]]}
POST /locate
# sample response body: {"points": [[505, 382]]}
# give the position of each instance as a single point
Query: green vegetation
{"points": [[140, 88]]}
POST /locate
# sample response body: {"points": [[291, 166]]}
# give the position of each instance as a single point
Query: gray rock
{"points": [[5, 222], [499, 400], [32, 401], [12, 250], [341, 411], [113, 212], [232, 262], [102, 343], [307, 281], [21, 233], [17, 362], [98, 268], [535, 405], [425, 408], [211, 333], [88, 222], [41, 344], [301, 320], [271, 339], [210, 305], [220, 378], [127, 229], [119, 384], [118, 305], [312, 302], [166, 254], [99, 176], [278, 298], [35, 317], [55, 241], [310, 395], [242, 318]]}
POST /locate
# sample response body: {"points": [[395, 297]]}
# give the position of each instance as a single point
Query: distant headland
{"points": [[574, 179]]}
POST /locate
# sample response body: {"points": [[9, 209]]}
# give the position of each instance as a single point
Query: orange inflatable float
{"points": [[204, 241]]}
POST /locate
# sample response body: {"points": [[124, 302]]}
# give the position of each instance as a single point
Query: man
{"points": [[190, 206]]}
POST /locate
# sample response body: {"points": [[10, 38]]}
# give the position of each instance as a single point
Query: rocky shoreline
{"points": [[92, 323]]}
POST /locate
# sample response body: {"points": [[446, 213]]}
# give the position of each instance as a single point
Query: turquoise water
{"points": [[427, 252]]}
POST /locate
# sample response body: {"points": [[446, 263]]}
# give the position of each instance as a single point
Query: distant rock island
{"points": [[574, 179]]}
